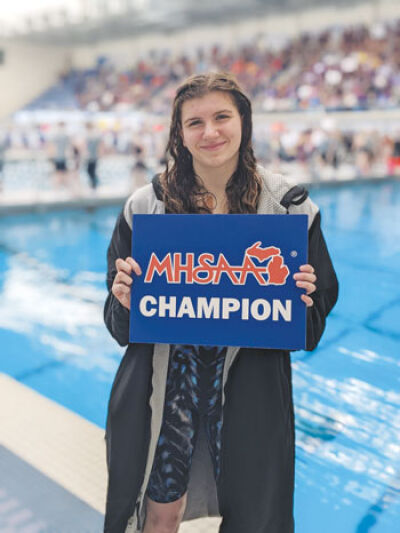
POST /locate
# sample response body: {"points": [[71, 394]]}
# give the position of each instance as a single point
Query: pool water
{"points": [[52, 286], [347, 392]]}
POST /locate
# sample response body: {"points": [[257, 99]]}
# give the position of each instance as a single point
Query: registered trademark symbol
{"points": [[293, 253]]}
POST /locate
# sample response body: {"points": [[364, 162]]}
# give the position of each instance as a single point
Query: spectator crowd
{"points": [[342, 68]]}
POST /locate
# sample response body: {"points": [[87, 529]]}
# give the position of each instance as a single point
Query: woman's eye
{"points": [[194, 123], [221, 117]]}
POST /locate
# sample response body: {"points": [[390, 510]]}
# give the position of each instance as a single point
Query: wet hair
{"points": [[183, 192]]}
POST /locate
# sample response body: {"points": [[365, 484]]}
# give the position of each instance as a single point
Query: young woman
{"points": [[204, 431]]}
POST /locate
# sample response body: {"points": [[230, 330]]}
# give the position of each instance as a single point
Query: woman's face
{"points": [[212, 131]]}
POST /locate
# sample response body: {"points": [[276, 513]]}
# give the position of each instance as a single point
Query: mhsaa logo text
{"points": [[209, 268]]}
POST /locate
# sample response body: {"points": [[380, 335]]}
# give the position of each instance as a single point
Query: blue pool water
{"points": [[347, 392]]}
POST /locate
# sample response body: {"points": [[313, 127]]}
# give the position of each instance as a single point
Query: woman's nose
{"points": [[210, 130]]}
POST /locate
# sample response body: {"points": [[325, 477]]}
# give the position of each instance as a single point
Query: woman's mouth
{"points": [[213, 147]]}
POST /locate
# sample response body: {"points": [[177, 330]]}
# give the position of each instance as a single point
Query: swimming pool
{"points": [[347, 392]]}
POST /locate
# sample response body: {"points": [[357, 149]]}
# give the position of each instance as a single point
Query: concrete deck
{"points": [[53, 468], [31, 201], [40, 201]]}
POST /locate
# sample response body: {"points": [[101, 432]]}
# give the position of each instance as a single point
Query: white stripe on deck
{"points": [[59, 443], [62, 445]]}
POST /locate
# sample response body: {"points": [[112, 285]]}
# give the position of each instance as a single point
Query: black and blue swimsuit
{"points": [[193, 397]]}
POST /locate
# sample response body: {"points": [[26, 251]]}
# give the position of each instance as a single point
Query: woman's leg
{"points": [[212, 402], [164, 517], [168, 483], [193, 391]]}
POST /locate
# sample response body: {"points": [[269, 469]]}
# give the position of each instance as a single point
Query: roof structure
{"points": [[89, 21]]}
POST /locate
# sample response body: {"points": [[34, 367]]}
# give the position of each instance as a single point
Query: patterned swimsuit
{"points": [[193, 396]]}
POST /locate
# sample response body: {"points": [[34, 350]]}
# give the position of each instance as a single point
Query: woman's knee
{"points": [[164, 517]]}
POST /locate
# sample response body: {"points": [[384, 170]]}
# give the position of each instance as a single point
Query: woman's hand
{"points": [[306, 280], [121, 287]]}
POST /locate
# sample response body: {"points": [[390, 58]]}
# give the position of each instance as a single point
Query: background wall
{"points": [[27, 71]]}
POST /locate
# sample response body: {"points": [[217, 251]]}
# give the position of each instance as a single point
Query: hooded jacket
{"points": [[254, 493]]}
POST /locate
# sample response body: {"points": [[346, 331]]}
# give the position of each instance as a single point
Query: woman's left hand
{"points": [[306, 279]]}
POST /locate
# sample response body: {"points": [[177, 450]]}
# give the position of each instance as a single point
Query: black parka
{"points": [[255, 489]]}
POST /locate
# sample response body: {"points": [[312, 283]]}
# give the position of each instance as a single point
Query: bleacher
{"points": [[342, 68]]}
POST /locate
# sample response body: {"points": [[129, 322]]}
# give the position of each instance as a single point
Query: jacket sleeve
{"points": [[327, 285], [116, 316]]}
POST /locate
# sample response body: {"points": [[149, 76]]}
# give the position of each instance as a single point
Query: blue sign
{"points": [[221, 280]]}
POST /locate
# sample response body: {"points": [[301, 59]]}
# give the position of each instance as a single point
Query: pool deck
{"points": [[53, 467], [19, 202], [41, 201]]}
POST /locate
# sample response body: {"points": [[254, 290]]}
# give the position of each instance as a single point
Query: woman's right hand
{"points": [[121, 288]]}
